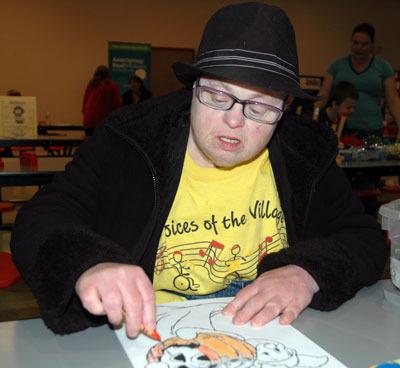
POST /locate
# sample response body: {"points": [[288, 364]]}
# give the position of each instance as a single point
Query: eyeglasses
{"points": [[253, 110]]}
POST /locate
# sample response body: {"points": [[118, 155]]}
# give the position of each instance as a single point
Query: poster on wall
{"points": [[129, 59], [18, 117]]}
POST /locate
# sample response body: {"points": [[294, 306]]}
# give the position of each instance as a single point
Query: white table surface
{"points": [[362, 332]]}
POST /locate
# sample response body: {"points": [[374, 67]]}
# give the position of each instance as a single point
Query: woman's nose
{"points": [[234, 117]]}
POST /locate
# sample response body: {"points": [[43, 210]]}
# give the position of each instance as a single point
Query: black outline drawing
{"points": [[195, 343]]}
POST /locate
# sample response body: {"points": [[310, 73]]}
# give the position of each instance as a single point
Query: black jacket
{"points": [[111, 203]]}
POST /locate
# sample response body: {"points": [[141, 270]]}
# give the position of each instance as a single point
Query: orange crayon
{"points": [[151, 333]]}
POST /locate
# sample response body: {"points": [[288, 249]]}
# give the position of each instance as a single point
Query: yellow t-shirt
{"points": [[221, 224]]}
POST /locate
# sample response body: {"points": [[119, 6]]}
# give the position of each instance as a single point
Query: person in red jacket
{"points": [[101, 97]]}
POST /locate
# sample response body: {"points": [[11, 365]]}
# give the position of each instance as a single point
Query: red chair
{"points": [[6, 206], [9, 273]]}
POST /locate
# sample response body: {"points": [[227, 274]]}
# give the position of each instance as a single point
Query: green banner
{"points": [[128, 59]]}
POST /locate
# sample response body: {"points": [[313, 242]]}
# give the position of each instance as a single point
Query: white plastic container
{"points": [[390, 213]]}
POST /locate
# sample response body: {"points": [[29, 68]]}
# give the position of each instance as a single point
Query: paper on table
{"points": [[196, 334]]}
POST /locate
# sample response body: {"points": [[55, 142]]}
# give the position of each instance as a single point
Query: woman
{"points": [[137, 93], [101, 98], [374, 79]]}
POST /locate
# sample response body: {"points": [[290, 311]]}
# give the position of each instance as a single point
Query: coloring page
{"points": [[196, 334]]}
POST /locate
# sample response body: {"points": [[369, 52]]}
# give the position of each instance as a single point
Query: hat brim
{"points": [[187, 74]]}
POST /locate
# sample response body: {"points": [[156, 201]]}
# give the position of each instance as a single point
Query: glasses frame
{"points": [[198, 88]]}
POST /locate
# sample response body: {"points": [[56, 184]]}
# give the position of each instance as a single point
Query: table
{"points": [[363, 331], [43, 129], [366, 178], [68, 141], [372, 168], [14, 175]]}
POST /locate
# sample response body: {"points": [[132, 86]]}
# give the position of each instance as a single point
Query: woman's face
{"points": [[135, 86], [221, 138], [361, 45]]}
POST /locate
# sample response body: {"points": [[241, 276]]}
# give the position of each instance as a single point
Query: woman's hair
{"points": [[341, 91], [366, 28], [13, 92], [100, 74], [139, 80]]}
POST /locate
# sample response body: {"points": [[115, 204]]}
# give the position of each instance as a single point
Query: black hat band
{"points": [[246, 59]]}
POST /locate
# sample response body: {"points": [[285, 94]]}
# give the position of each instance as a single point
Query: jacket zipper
{"points": [[146, 158]]}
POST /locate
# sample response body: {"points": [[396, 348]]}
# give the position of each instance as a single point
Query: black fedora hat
{"points": [[252, 43]]}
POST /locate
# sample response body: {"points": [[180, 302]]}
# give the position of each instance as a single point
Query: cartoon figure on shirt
{"points": [[183, 281], [234, 262], [193, 346]]}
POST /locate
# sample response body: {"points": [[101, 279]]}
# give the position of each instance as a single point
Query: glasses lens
{"points": [[252, 110], [216, 99], [261, 112]]}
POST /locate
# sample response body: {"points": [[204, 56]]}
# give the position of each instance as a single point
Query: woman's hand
{"points": [[122, 292], [283, 292]]}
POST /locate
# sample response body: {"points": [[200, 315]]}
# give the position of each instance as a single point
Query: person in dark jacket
{"points": [[137, 93], [213, 190]]}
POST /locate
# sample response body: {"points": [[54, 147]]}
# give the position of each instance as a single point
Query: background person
{"points": [[137, 93], [101, 98], [374, 79], [342, 102], [209, 191], [13, 92]]}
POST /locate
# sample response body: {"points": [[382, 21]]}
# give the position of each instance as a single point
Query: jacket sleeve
{"points": [[341, 247], [116, 97], [85, 99], [52, 241]]}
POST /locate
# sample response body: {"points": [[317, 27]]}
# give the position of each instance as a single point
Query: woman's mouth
{"points": [[229, 143], [230, 140]]}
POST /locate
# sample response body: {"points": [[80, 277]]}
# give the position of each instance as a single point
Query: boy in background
{"points": [[342, 102]]}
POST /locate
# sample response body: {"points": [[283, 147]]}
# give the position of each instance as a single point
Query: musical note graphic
{"points": [[160, 262], [193, 263], [212, 248], [264, 252]]}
